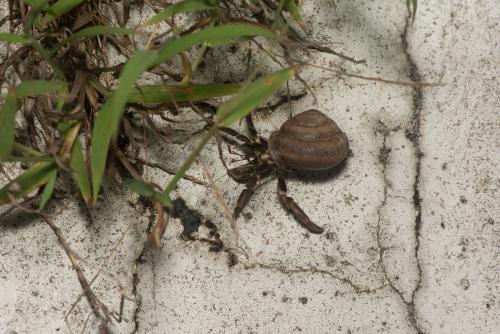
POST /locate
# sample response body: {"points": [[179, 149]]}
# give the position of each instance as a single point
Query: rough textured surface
{"points": [[412, 224]]}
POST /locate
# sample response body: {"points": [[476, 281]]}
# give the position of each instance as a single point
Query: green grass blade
{"points": [[277, 12], [293, 9], [80, 173], [185, 6], [180, 93], [189, 161], [99, 87], [48, 190], [39, 87], [147, 190], [140, 187], [47, 56], [8, 125], [170, 93], [59, 8], [32, 155], [414, 11], [9, 109], [93, 31], [36, 3], [162, 197], [27, 149], [108, 119], [63, 6], [219, 35], [31, 159], [32, 179], [12, 38], [38, 6], [255, 94]]}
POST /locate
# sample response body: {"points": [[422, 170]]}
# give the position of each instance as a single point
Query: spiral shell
{"points": [[308, 141]]}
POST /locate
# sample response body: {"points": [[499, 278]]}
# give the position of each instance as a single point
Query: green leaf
{"points": [[39, 87], [189, 161], [49, 189], [31, 158], [140, 187], [180, 93], [99, 87], [293, 9], [59, 8], [162, 197], [180, 7], [6, 37], [108, 119], [147, 190], [414, 11], [27, 149], [220, 35], [36, 3], [38, 6], [170, 93], [80, 173], [32, 179], [47, 56], [33, 155], [63, 6], [8, 125], [9, 109], [92, 31], [277, 12], [252, 96]]}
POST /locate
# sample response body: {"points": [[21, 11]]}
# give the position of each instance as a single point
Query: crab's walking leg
{"points": [[251, 175], [251, 128], [296, 211], [218, 139], [245, 196], [236, 134], [253, 132]]}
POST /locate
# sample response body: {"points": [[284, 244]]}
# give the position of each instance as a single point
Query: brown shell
{"points": [[308, 141]]}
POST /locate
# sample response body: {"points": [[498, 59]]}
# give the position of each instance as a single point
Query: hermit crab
{"points": [[309, 141]]}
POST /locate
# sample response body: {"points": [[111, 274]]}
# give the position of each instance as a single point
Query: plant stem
{"points": [[191, 158]]}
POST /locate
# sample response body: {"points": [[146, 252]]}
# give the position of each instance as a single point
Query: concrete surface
{"points": [[412, 223]]}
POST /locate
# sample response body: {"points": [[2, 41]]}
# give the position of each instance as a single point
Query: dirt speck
{"points": [[330, 260], [464, 283], [232, 259]]}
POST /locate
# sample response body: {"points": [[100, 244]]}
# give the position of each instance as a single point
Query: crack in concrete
{"points": [[135, 276], [413, 133], [417, 96], [137, 297], [383, 158], [311, 270]]}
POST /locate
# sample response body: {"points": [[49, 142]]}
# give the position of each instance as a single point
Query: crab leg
{"points": [[290, 205], [245, 196], [241, 174]]}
